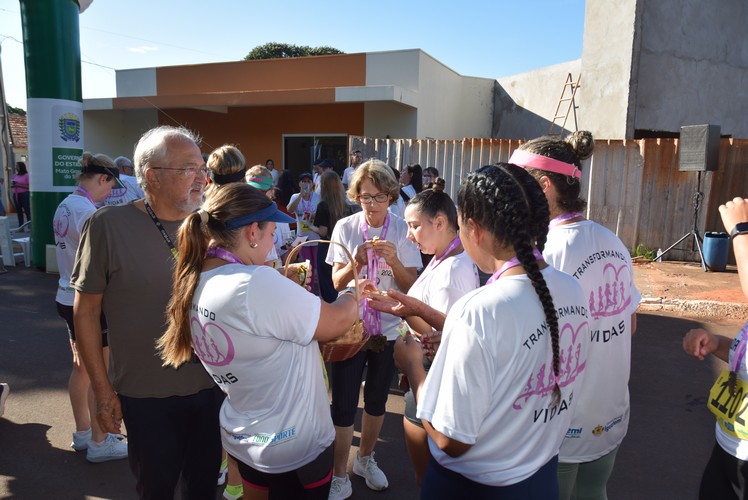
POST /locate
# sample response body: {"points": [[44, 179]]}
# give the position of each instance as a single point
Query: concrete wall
{"points": [[693, 65], [610, 43], [524, 104], [115, 132]]}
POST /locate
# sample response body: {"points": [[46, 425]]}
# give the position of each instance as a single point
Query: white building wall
{"points": [[136, 82], [390, 119], [399, 67], [115, 132], [450, 105]]}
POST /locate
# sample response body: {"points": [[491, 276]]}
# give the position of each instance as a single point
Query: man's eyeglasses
{"points": [[379, 198], [188, 171]]}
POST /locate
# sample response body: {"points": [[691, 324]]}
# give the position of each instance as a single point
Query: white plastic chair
{"points": [[7, 240]]}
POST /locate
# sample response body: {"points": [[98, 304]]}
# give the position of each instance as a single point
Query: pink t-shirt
{"points": [[20, 179]]}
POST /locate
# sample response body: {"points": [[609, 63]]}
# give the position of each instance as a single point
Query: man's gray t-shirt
{"points": [[123, 255]]}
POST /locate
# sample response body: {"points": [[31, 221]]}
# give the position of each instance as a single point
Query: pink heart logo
{"points": [[211, 343]]}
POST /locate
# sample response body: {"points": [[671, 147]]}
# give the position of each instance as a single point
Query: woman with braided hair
{"points": [[601, 264], [499, 396]]}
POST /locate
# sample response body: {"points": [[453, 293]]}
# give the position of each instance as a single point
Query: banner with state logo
{"points": [[55, 128]]}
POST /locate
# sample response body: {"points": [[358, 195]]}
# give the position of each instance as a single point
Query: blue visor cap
{"points": [[270, 213]]}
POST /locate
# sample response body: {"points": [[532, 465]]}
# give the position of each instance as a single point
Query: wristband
{"points": [[740, 228], [349, 290]]}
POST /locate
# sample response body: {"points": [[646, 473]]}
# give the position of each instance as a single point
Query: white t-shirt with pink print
{"points": [[597, 259], [491, 382]]}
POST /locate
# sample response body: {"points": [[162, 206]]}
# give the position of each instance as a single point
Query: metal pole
{"points": [[55, 110]]}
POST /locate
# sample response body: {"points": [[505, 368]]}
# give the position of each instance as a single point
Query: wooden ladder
{"points": [[568, 93]]}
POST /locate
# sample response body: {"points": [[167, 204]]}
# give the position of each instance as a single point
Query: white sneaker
{"points": [[114, 447], [80, 440], [367, 468], [4, 391], [340, 488]]}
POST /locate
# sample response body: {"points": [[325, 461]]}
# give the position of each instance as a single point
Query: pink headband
{"points": [[526, 159]]}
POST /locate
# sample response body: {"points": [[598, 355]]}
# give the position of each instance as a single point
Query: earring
{"points": [[253, 245]]}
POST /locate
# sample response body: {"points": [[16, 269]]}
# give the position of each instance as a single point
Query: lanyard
{"points": [[438, 260], [308, 206], [372, 318], [161, 229], [563, 218], [223, 254], [84, 192], [513, 262]]}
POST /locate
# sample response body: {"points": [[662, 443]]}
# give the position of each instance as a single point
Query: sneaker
{"points": [[4, 391], [80, 440], [114, 447], [233, 492], [223, 471], [340, 488], [367, 468]]}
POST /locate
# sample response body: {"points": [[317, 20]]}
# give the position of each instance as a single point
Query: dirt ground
{"points": [[687, 285]]}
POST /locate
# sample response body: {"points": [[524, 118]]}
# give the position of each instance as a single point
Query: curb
{"points": [[698, 308]]}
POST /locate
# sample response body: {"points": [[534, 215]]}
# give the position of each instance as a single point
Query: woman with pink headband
{"points": [[602, 265]]}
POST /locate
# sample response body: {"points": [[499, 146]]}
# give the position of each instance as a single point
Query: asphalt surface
{"points": [[669, 441]]}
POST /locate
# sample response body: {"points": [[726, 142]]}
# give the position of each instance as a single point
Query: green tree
{"points": [[274, 50], [16, 111]]}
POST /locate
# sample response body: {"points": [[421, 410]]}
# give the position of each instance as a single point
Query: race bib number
{"points": [[730, 409]]}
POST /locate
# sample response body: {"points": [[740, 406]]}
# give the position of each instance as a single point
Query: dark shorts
{"points": [[66, 313], [442, 483], [308, 481]]}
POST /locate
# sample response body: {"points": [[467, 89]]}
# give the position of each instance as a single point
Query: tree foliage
{"points": [[16, 111], [274, 50]]}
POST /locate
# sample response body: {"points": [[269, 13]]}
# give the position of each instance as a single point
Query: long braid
{"points": [[511, 205], [539, 214], [525, 256]]}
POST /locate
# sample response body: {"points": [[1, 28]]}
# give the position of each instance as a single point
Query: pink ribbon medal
{"points": [[372, 318]]}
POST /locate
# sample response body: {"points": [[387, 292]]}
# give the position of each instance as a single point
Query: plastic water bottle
{"points": [[659, 254]]}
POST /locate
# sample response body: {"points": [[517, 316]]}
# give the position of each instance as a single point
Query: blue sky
{"points": [[485, 38]]}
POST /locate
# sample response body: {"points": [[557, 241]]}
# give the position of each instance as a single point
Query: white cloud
{"points": [[143, 49]]}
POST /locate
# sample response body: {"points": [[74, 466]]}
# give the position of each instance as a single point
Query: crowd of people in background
{"points": [[487, 305]]}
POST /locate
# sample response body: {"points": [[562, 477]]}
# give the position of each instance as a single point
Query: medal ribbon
{"points": [[83, 191], [223, 254], [563, 218], [513, 262], [373, 319], [438, 260]]}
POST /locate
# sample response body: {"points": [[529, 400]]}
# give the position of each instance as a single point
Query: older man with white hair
{"points": [[124, 266]]}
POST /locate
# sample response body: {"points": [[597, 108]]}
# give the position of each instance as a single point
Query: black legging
{"points": [[23, 206]]}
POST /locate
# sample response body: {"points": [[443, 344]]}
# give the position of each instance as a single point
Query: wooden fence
{"points": [[632, 187]]}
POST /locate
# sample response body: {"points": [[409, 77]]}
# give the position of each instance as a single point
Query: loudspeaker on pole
{"points": [[699, 148]]}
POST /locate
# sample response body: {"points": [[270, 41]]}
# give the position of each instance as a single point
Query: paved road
{"points": [[669, 440]]}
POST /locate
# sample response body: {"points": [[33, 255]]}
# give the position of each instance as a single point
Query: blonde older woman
{"points": [[382, 253]]}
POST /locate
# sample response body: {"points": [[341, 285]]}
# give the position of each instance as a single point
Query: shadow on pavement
{"points": [[671, 433]]}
